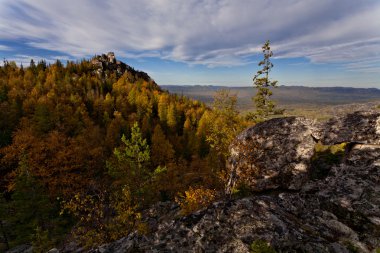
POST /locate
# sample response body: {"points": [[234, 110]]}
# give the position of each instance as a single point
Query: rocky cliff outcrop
{"points": [[338, 213], [106, 63]]}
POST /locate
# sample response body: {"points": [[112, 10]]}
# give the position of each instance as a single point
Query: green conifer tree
{"points": [[261, 81], [131, 166]]}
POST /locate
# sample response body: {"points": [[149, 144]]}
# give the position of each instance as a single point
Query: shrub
{"points": [[241, 191], [41, 242], [195, 199], [261, 246], [325, 156], [103, 218]]}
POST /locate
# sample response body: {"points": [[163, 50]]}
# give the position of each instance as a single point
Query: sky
{"points": [[204, 42]]}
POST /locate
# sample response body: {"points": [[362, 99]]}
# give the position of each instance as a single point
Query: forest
{"points": [[83, 152]]}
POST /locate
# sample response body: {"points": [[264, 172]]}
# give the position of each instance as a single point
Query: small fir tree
{"points": [[131, 166], [261, 81]]}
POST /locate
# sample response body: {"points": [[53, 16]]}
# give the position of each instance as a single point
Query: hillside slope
{"points": [[76, 140]]}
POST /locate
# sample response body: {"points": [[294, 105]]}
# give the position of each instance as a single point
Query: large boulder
{"points": [[273, 154], [357, 127]]}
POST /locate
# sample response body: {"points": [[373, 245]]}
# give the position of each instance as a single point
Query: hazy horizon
{"points": [[207, 42], [251, 86]]}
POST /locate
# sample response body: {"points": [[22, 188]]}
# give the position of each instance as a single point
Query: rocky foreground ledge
{"points": [[294, 212]]}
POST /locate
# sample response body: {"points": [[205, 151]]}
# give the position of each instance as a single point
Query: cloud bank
{"points": [[209, 32]]}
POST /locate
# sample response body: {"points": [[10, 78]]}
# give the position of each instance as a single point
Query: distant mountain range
{"points": [[313, 102], [284, 95]]}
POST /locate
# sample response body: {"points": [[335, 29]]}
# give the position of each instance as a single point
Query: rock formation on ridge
{"points": [[108, 63]]}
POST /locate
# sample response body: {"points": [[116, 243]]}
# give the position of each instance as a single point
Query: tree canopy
{"points": [[100, 148]]}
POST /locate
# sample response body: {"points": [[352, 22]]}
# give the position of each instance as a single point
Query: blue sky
{"points": [[209, 42]]}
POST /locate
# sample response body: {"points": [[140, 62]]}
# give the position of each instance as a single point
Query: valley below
{"points": [[318, 103]]}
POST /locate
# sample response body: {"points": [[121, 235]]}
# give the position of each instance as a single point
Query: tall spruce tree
{"points": [[265, 107]]}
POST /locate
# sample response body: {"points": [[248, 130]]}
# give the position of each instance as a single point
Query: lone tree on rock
{"points": [[264, 106]]}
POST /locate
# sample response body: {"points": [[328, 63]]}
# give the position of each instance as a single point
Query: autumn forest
{"points": [[85, 148]]}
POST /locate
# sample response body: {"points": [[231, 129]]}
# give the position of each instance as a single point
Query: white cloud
{"points": [[209, 32], [5, 48]]}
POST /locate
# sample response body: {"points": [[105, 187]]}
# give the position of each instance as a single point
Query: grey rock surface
{"points": [[360, 126], [106, 63], [24, 248], [53, 250], [273, 154]]}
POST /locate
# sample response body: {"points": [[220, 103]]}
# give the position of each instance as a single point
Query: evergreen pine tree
{"points": [[131, 166], [264, 105]]}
